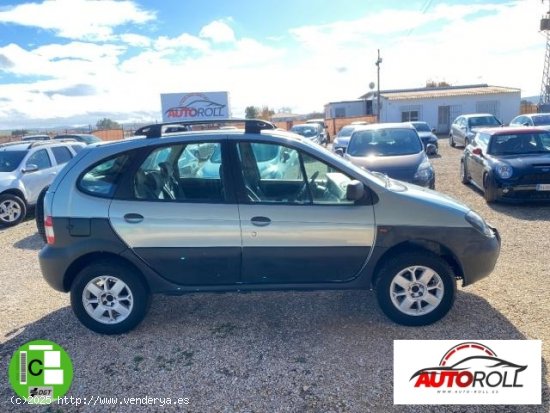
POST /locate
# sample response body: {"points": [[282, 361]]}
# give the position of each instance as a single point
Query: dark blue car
{"points": [[509, 164]]}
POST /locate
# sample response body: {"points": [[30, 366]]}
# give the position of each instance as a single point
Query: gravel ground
{"points": [[280, 351]]}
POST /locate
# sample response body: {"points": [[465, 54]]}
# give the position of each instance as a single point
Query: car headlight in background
{"points": [[476, 221], [504, 171], [424, 171]]}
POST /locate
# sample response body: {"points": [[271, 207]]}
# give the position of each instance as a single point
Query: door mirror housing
{"points": [[30, 168], [339, 151], [355, 191], [434, 131]]}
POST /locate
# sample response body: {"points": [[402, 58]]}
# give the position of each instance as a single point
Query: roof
{"points": [[505, 130], [378, 126], [448, 91]]}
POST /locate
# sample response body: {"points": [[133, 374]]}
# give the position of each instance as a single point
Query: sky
{"points": [[74, 62]]}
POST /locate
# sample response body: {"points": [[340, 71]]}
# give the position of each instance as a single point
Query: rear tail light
{"points": [[48, 229]]}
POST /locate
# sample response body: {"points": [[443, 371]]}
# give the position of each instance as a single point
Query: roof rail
{"points": [[12, 143], [156, 130]]}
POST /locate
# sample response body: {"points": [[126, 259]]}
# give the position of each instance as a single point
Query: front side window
{"points": [[277, 174], [41, 159], [174, 173], [10, 160], [102, 179]]}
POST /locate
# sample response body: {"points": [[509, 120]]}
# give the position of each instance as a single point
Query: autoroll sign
{"points": [[194, 106], [467, 372]]}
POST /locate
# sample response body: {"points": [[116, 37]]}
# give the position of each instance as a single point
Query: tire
{"points": [[489, 188], [39, 214], [452, 141], [405, 271], [129, 304], [464, 173], [13, 210]]}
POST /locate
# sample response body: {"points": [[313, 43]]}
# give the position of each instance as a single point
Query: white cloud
{"points": [[184, 40], [136, 40], [77, 19], [218, 32]]}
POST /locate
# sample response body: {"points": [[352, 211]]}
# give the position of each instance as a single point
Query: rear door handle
{"points": [[260, 221], [133, 218]]}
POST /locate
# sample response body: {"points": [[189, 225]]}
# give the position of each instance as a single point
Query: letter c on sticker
{"points": [[31, 367]]}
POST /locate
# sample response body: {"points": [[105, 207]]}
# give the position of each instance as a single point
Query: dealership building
{"points": [[438, 106]]}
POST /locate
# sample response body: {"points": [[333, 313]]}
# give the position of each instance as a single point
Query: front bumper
{"points": [[530, 192], [479, 257]]}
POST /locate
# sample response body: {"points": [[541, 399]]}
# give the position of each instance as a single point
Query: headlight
{"points": [[504, 171], [336, 142], [479, 223], [424, 171]]}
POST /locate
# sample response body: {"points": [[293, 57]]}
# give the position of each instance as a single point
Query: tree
{"points": [[19, 132], [107, 123], [251, 112], [266, 113]]}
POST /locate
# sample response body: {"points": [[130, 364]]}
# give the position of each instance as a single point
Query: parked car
{"points": [[85, 138], [510, 163], [394, 149], [25, 169], [427, 136], [312, 131], [541, 120], [464, 127], [118, 232], [324, 126], [341, 140], [36, 138]]}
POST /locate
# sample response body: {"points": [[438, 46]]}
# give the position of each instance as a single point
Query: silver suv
{"points": [[129, 219], [25, 169]]}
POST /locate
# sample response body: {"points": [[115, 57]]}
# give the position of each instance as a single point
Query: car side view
{"points": [[25, 169], [510, 163], [122, 223], [463, 129]]}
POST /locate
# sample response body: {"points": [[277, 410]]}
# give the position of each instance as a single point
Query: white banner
{"points": [[194, 106], [467, 372]]}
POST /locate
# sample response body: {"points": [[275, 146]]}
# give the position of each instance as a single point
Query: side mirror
{"points": [[431, 149], [355, 191], [433, 131], [477, 151], [30, 168], [339, 151], [285, 156]]}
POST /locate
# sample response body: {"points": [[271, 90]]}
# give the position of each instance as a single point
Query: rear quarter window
{"points": [[101, 179], [61, 154]]}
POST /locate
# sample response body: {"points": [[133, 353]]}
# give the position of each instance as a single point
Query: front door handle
{"points": [[260, 221], [133, 218]]}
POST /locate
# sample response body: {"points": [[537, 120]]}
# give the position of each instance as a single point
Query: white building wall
{"points": [[351, 109], [504, 105]]}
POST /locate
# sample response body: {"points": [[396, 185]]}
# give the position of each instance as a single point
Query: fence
{"points": [[335, 124]]}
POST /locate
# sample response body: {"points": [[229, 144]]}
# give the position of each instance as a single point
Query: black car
{"points": [[427, 136], [509, 163]]}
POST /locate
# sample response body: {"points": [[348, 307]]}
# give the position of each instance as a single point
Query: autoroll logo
{"points": [[195, 105], [468, 372]]}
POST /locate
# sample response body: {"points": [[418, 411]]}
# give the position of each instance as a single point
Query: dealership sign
{"points": [[194, 106], [467, 372]]}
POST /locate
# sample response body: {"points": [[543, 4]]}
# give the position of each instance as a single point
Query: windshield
{"points": [[520, 144], [306, 131], [346, 131], [10, 160], [541, 120], [421, 126], [483, 121], [90, 139], [384, 142]]}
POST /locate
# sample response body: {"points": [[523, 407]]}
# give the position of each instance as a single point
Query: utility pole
{"points": [[544, 99], [378, 61]]}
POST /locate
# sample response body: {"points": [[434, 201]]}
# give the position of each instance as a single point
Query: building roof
{"points": [[447, 91]]}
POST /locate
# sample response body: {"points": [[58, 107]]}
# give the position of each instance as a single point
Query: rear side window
{"points": [[76, 148], [102, 179], [61, 154]]}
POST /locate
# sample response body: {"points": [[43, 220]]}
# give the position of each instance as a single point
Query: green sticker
{"points": [[40, 371]]}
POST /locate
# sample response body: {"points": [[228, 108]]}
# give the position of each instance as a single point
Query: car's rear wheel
{"points": [[489, 188], [452, 140], [12, 210], [108, 298], [39, 213], [464, 173], [416, 288]]}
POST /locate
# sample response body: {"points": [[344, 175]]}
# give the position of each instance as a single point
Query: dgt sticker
{"points": [[40, 371]]}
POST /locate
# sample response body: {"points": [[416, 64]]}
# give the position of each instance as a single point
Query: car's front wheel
{"points": [[464, 173], [489, 188], [39, 214], [416, 288], [452, 140], [108, 298], [12, 210]]}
